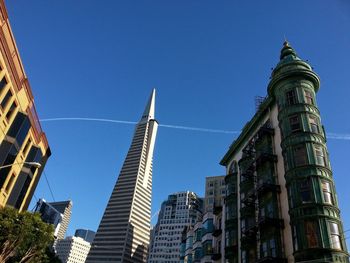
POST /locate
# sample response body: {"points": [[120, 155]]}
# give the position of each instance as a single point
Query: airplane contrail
{"points": [[87, 119], [133, 122], [330, 135], [338, 136]]}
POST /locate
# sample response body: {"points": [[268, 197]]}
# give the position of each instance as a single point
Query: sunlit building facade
{"points": [[72, 249], [124, 231], [281, 204], [204, 241], [22, 140], [181, 210]]}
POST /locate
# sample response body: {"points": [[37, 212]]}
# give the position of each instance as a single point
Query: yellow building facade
{"points": [[22, 141]]}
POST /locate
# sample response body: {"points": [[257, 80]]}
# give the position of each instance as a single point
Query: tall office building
{"points": [[181, 210], [124, 231], [87, 235], [21, 139], [57, 214], [72, 249], [281, 203], [65, 208]]}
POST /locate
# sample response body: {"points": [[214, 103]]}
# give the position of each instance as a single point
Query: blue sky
{"points": [[207, 60]]}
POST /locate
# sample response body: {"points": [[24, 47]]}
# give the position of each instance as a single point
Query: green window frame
{"points": [[294, 123], [314, 124], [300, 155], [291, 97], [327, 192], [311, 234], [334, 235], [309, 98]]}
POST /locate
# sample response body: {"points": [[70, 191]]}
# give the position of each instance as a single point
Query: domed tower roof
{"points": [[288, 51], [291, 66]]}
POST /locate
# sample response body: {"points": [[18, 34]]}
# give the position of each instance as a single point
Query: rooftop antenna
{"points": [[286, 43], [258, 101]]}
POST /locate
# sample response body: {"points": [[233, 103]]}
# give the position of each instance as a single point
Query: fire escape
{"points": [[260, 220]]}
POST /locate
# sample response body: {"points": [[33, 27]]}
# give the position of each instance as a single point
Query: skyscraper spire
{"points": [[149, 110], [123, 233]]}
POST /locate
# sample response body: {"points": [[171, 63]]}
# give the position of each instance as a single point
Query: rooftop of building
{"points": [[289, 57]]}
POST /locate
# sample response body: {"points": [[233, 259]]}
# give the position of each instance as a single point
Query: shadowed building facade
{"points": [[281, 204], [124, 231]]}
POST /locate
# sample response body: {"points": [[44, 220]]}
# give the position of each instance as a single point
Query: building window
{"points": [[10, 183], [233, 167], [11, 110], [3, 83], [294, 123], [291, 97], [295, 238], [300, 155], [26, 147], [244, 256], [327, 193], [273, 251], [334, 235], [6, 99], [320, 158], [311, 234], [264, 249], [313, 124], [291, 198], [309, 99], [305, 191]]}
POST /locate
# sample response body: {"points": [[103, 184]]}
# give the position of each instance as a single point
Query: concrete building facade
{"points": [[181, 210], [204, 242], [124, 231], [72, 250], [281, 204], [215, 190], [22, 140]]}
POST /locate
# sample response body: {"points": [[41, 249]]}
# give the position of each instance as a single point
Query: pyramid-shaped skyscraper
{"points": [[124, 231]]}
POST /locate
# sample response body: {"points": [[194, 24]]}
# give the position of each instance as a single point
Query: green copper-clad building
{"points": [[281, 204]]}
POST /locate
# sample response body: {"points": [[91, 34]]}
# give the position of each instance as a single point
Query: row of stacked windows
{"points": [[231, 233], [308, 175]]}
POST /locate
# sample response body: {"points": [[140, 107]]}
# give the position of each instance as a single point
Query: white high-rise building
{"points": [[181, 210], [72, 249], [124, 231]]}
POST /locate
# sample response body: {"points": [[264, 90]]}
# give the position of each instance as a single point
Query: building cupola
{"points": [[289, 68]]}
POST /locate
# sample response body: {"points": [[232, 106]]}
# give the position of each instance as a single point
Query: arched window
{"points": [[233, 167]]}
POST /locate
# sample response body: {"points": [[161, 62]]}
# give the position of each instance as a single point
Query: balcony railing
{"points": [[247, 211], [265, 156], [231, 223], [269, 259], [268, 186], [265, 130], [217, 232], [250, 198], [217, 210], [231, 251], [249, 234], [216, 256], [266, 221]]}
